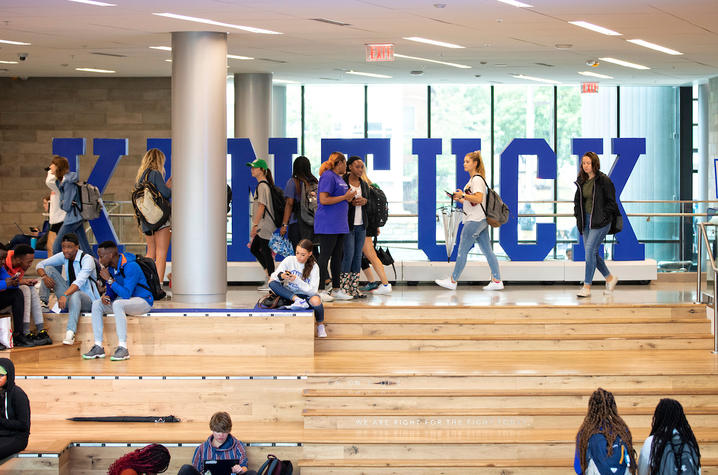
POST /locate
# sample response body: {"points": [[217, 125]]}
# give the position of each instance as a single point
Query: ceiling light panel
{"points": [[533, 78], [454, 65], [371, 75], [19, 43], [93, 70], [648, 44], [596, 28], [594, 75], [235, 56], [9, 62], [97, 4], [623, 63], [207, 21], [427, 41], [515, 3]]}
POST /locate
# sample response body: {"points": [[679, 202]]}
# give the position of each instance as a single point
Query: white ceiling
{"points": [[500, 40]]}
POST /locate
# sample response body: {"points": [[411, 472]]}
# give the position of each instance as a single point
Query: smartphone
{"points": [[16, 276], [34, 229], [449, 194]]}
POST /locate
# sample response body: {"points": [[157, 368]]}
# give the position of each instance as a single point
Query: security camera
{"points": [[22, 56]]}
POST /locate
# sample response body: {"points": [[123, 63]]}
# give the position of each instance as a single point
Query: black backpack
{"points": [[98, 268], [377, 207], [274, 466], [154, 285], [277, 203]]}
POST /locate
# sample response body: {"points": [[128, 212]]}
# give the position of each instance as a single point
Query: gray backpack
{"points": [[496, 211], [688, 460], [88, 201], [307, 201]]}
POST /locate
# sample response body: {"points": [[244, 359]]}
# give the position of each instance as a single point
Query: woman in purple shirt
{"points": [[330, 219]]}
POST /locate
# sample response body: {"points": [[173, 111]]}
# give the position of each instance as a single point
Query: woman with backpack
{"points": [[330, 220], [69, 196], [476, 227], [671, 448], [382, 286], [152, 170], [603, 444], [595, 209], [262, 218], [301, 195]]}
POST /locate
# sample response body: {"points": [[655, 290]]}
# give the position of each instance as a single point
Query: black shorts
{"points": [[54, 228]]}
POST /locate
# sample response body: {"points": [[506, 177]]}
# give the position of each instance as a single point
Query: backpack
{"points": [[98, 268], [599, 463], [307, 201], [496, 211], [88, 201], [377, 207], [687, 461], [274, 466], [148, 268], [272, 300], [151, 208], [278, 202]]}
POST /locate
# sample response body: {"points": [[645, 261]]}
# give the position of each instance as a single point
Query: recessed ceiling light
{"points": [[596, 28], [647, 44], [514, 3], [532, 78], [9, 62], [168, 60], [563, 46], [627, 64], [284, 81], [161, 48], [20, 43], [97, 4], [93, 70], [207, 21], [235, 56], [419, 39], [455, 65], [371, 75], [595, 75]]}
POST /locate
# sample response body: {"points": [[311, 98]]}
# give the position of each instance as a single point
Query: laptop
{"points": [[219, 467]]}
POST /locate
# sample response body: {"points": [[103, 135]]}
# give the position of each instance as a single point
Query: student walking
{"points": [[381, 287], [56, 213], [262, 218], [473, 197], [69, 197]]}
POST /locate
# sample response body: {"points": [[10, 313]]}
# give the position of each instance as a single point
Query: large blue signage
{"points": [[627, 151]]}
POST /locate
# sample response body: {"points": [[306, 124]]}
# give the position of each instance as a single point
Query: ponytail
{"points": [[308, 245]]}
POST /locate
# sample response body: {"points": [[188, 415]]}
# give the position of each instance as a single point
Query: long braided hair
{"points": [[668, 416], [153, 458], [603, 418]]}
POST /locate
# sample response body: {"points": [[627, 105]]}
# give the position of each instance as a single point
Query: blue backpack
{"points": [[599, 463]]}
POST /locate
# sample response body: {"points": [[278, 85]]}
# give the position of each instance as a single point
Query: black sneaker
{"points": [[23, 341], [42, 339]]}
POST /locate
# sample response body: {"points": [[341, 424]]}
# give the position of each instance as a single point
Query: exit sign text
{"points": [[380, 52]]}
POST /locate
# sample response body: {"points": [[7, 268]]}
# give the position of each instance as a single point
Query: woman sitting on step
{"points": [[297, 279], [603, 444], [148, 460]]}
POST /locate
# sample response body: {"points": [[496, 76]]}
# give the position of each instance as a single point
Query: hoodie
{"points": [[231, 449], [14, 406]]}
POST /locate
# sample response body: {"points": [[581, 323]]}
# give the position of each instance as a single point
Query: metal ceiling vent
{"points": [[331, 22]]}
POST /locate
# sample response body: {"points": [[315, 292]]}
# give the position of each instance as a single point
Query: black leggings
{"points": [[10, 445], [13, 298], [260, 250], [331, 246]]}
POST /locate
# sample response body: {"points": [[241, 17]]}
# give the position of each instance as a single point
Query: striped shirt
{"points": [[230, 449]]}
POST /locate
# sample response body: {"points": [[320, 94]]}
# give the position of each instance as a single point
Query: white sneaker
{"points": [[321, 331], [584, 292], [298, 305], [326, 296], [446, 283], [382, 290], [341, 295], [493, 285], [69, 338], [611, 285]]}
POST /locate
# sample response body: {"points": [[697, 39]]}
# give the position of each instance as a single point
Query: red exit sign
{"points": [[589, 87], [379, 52]]}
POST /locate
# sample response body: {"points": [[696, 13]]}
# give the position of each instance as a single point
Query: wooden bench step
{"points": [[521, 392], [465, 463], [510, 411], [34, 354], [529, 337]]}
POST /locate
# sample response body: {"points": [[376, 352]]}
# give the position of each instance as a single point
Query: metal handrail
{"points": [[699, 291]]}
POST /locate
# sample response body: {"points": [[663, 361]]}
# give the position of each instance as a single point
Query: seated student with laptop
{"points": [[221, 447]]}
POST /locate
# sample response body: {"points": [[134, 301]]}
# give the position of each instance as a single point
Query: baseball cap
{"points": [[258, 163]]}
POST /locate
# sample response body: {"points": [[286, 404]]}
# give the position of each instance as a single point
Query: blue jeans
{"points": [[592, 239], [78, 229], [353, 245], [120, 307], [475, 232], [76, 303], [279, 289]]}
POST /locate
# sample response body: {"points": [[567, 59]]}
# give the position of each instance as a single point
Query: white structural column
{"points": [[199, 166], [252, 110]]}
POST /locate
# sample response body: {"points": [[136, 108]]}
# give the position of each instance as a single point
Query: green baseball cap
{"points": [[258, 163], [3, 371]]}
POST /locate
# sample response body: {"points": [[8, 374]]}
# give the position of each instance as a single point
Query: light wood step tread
{"points": [[531, 411], [499, 463], [418, 320], [593, 336], [521, 392]]}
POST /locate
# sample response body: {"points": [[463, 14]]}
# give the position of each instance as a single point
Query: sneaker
{"points": [[383, 290], [446, 283], [42, 338], [95, 352], [584, 292], [120, 354], [493, 285], [298, 305], [370, 286], [341, 295], [23, 341], [611, 285], [69, 338], [326, 296], [321, 331]]}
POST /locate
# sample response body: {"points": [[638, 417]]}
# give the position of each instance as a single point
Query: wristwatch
{"points": [[110, 281]]}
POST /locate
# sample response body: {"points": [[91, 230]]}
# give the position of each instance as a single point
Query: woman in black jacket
{"points": [[595, 208], [14, 412]]}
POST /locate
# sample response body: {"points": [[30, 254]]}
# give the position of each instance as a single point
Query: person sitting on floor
{"points": [[221, 445], [77, 290], [15, 416], [39, 234], [297, 279], [11, 299], [127, 292], [148, 460], [17, 262]]}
